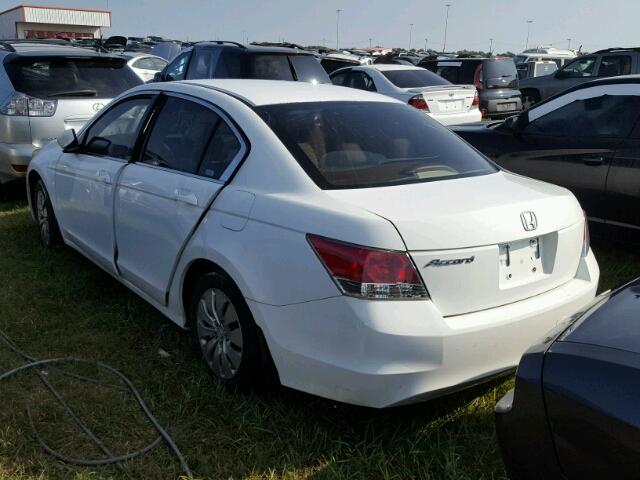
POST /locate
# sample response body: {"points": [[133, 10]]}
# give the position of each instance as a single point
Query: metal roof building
{"points": [[31, 21]]}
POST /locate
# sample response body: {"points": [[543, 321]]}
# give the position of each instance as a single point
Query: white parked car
{"points": [[337, 240], [144, 65], [449, 104], [560, 56]]}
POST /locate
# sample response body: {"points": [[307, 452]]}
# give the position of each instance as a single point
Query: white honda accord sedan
{"points": [[338, 241]]}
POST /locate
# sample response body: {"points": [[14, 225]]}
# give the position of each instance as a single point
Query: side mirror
{"points": [[157, 77], [517, 123], [98, 146], [68, 141]]}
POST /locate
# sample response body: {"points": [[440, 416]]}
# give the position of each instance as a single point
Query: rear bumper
{"points": [[14, 159], [381, 354], [495, 107], [472, 116]]}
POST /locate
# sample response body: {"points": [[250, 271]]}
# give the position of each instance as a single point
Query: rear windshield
{"points": [[499, 68], [414, 78], [369, 144], [269, 66], [66, 77]]}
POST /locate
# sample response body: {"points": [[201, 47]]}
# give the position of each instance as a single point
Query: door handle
{"points": [[103, 176], [593, 161], [185, 196]]}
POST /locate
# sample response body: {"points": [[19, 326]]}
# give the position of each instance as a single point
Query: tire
{"points": [[224, 334], [47, 223], [529, 99]]}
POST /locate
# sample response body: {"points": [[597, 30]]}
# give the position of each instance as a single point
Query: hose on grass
{"points": [[110, 459]]}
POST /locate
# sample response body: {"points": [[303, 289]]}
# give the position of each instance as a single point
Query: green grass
{"points": [[57, 304]]}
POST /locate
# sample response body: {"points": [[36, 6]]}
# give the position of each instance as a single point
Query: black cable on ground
{"points": [[111, 459]]}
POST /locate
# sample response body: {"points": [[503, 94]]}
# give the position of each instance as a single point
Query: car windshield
{"points": [[414, 78], [369, 144], [64, 77]]}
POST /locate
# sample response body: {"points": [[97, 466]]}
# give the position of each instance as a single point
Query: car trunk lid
{"points": [[468, 240], [446, 99]]}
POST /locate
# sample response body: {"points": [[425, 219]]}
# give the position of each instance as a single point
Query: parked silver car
{"points": [[46, 88]]}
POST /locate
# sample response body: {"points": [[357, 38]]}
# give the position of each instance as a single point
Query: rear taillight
{"points": [[419, 102], [20, 105], [586, 240], [476, 100], [369, 273], [19, 168], [477, 78]]}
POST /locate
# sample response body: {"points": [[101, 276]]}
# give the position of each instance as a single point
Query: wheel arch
{"points": [[195, 270], [32, 180]]}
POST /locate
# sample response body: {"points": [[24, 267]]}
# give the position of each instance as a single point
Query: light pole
{"points": [[529, 22], [338, 28], [446, 25], [426, 42], [491, 47], [568, 44], [369, 44], [410, 34]]}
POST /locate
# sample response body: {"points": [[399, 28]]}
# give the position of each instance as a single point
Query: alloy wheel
{"points": [[42, 214], [219, 333]]}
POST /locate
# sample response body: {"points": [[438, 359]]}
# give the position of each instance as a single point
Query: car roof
{"points": [[254, 48], [386, 67], [271, 92], [45, 50]]}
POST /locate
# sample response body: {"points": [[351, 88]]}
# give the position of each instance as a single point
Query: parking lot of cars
{"points": [[344, 225]]}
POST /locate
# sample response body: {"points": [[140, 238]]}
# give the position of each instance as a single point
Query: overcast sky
{"points": [[591, 23]]}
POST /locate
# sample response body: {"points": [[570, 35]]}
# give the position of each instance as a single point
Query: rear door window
{"points": [[340, 79], [71, 77], [614, 65], [191, 138], [180, 135], [361, 81], [223, 148]]}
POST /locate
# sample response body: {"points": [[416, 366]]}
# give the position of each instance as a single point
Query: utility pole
{"points": [[446, 25], [410, 34], [370, 44], [491, 47], [426, 42], [568, 44], [338, 28], [529, 22]]}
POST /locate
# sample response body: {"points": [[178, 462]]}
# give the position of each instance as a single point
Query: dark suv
{"points": [[611, 62], [234, 60], [495, 78]]}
